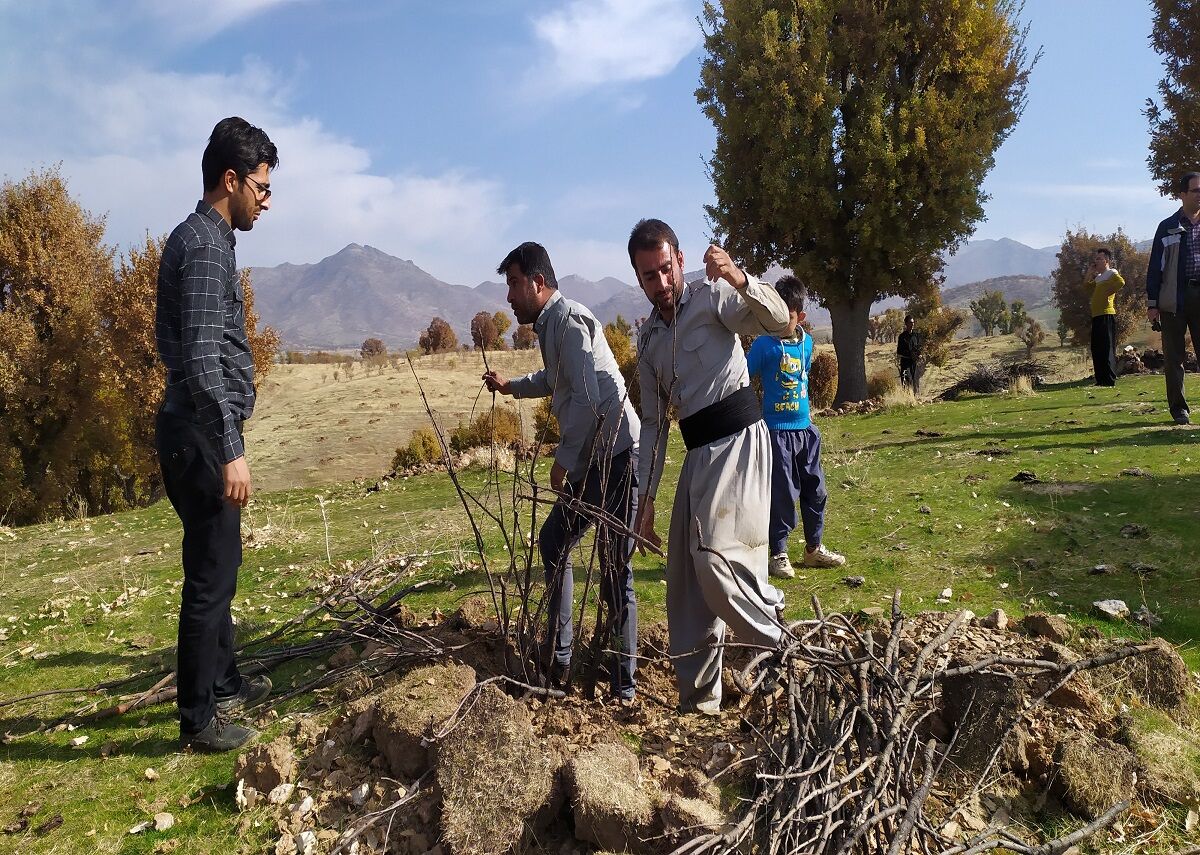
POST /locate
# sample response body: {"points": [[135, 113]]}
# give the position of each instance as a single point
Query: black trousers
{"points": [[1175, 327], [212, 553], [909, 375], [1104, 349]]}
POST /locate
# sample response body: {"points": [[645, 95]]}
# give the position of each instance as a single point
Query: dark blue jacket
{"points": [[1175, 225]]}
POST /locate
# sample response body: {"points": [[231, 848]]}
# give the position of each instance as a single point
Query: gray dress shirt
{"points": [[698, 360], [587, 391]]}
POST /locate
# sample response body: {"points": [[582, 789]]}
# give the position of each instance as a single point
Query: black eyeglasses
{"points": [[265, 189]]}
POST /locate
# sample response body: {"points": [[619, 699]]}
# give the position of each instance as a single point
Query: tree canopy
{"points": [[1073, 298], [853, 138], [1175, 117]]}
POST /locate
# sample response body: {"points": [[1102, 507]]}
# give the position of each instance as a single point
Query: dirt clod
{"points": [[265, 767]]}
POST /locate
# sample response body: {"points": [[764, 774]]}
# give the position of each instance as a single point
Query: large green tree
{"points": [[1175, 117], [853, 138], [1074, 298]]}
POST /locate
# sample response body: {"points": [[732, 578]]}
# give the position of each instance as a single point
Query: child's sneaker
{"points": [[822, 557], [781, 566]]}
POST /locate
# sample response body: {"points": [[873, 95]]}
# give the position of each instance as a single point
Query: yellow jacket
{"points": [[1105, 288]]}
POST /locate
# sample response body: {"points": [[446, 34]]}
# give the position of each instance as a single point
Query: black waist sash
{"points": [[732, 414]]}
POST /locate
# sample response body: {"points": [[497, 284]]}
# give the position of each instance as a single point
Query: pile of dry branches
{"points": [[848, 762]]}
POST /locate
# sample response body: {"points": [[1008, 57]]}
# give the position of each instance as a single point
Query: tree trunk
{"points": [[850, 341]]}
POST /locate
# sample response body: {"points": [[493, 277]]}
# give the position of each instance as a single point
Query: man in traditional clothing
{"points": [[690, 356]]}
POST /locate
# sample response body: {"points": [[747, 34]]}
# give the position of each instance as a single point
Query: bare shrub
{"points": [[822, 380], [882, 383]]}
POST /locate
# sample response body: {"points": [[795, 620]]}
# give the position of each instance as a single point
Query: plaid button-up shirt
{"points": [[1191, 261], [200, 327]]}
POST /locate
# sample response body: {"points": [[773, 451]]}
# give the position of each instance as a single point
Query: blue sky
{"points": [[448, 132]]}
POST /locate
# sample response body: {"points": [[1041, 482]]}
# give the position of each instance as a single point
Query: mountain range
{"points": [[362, 292]]}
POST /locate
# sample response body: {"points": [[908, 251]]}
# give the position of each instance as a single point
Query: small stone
{"points": [[924, 509], [280, 794], [872, 613], [1145, 617], [1135, 472], [306, 843], [1102, 570], [79, 741], [140, 827], [947, 593], [1142, 569], [1025, 477], [1053, 627], [1110, 609], [854, 581], [358, 796], [163, 821], [305, 807], [151, 775], [997, 619], [1132, 530]]}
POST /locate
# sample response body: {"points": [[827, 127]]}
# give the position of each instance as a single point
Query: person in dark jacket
{"points": [[908, 352], [1173, 288]]}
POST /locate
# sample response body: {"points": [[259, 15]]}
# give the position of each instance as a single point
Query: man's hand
{"points": [[643, 525], [236, 475], [496, 383], [718, 265], [558, 476], [1152, 315]]}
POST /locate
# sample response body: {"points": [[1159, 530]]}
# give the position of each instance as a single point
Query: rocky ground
{"points": [[449, 758]]}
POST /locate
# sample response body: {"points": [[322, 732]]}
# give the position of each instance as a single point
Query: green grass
{"points": [[96, 599]]}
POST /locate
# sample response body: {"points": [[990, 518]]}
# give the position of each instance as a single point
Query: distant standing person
{"points": [[596, 461], [1105, 282], [908, 352], [781, 363], [1173, 288], [691, 357], [200, 328]]}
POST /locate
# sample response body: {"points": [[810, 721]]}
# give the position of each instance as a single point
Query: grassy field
{"points": [[922, 498]]}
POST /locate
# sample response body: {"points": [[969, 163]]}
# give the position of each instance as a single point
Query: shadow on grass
{"points": [[1080, 530], [112, 737]]}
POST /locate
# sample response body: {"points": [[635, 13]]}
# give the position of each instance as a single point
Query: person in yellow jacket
{"points": [[1105, 282]]}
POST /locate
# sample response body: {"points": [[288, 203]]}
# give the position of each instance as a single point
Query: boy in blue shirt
{"points": [[782, 364]]}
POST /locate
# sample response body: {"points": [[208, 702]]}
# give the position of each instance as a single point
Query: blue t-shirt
{"points": [[782, 366]]}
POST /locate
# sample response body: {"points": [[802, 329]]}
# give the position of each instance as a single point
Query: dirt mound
{"points": [[431, 761]]}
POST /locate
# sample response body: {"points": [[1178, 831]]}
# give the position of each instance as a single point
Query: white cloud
{"points": [[591, 43], [130, 140], [199, 18]]}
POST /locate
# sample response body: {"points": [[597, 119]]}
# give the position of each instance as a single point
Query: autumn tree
{"points": [[373, 349], [991, 311], [483, 331], [1174, 118], [524, 338], [66, 429], [885, 327], [1062, 330], [438, 338], [502, 322], [264, 341], [852, 141], [1031, 334], [1073, 297], [619, 336]]}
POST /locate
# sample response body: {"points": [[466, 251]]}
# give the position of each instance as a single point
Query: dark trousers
{"points": [[1175, 325], [613, 488], [212, 553], [1104, 349], [909, 375], [796, 476]]}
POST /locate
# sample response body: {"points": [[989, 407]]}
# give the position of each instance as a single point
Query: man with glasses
{"points": [[200, 328], [1173, 288]]}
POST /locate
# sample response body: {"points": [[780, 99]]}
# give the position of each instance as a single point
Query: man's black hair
{"points": [[1182, 182], [792, 291], [531, 259], [649, 235], [238, 145], [1106, 252], [908, 318]]}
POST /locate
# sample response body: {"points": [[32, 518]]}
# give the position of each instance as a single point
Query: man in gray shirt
{"points": [[690, 356], [595, 465]]}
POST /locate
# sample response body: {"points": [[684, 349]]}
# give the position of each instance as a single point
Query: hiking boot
{"points": [[220, 734], [822, 557], [254, 691], [781, 567], [1183, 419]]}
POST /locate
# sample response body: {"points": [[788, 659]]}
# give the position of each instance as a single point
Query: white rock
{"points": [[358, 796], [140, 827], [1111, 609], [996, 620], [304, 808], [306, 843], [163, 821], [78, 741], [281, 794], [947, 593], [151, 775]]}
